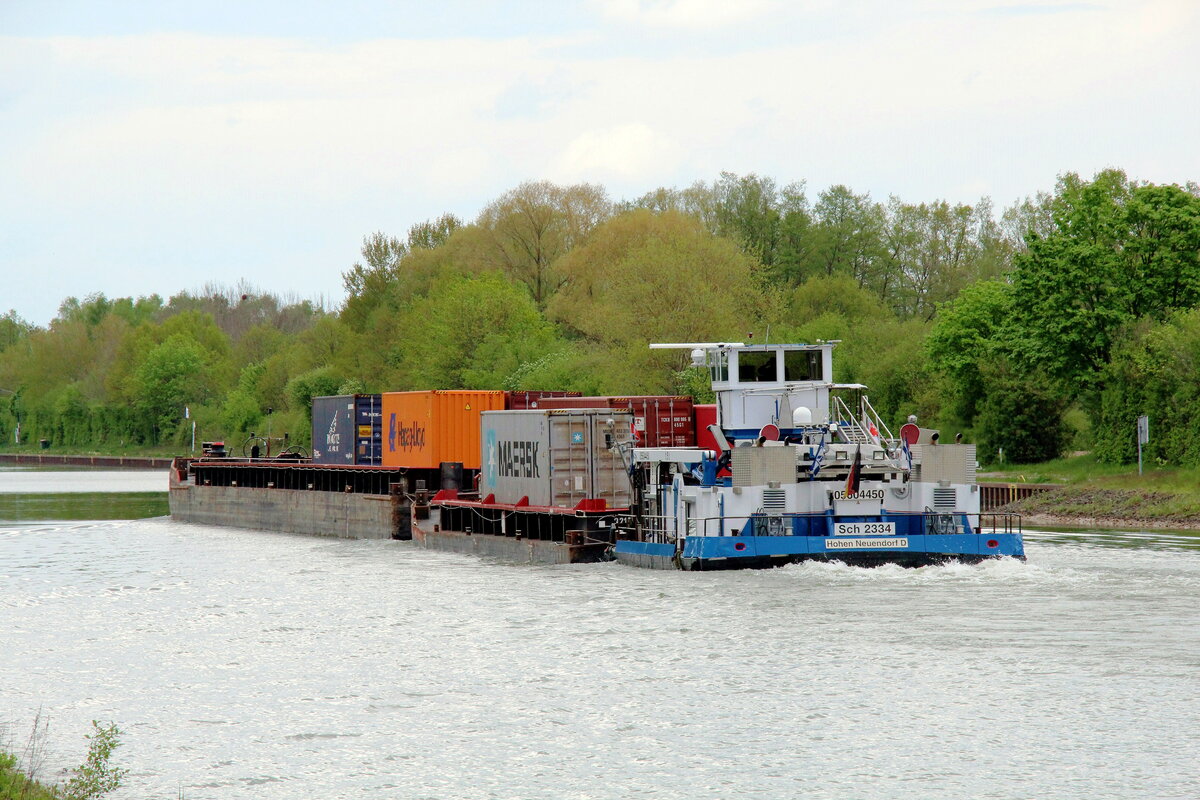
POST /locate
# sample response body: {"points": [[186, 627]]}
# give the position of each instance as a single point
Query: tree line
{"points": [[1049, 326]]}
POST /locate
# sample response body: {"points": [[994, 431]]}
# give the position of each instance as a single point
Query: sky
{"points": [[155, 146]]}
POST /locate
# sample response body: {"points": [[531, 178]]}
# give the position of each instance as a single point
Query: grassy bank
{"points": [[16, 785], [91, 780], [1113, 495]]}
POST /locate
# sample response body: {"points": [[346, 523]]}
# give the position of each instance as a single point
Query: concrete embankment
{"points": [[1088, 506], [105, 462], [996, 496]]}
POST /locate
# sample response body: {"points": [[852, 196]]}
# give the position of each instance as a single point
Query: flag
{"points": [[907, 453], [872, 430], [818, 459], [853, 478]]}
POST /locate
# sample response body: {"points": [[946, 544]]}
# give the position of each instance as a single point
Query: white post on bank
{"points": [[1143, 433]]}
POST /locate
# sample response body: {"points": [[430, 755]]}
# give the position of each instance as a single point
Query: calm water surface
{"points": [[245, 664]]}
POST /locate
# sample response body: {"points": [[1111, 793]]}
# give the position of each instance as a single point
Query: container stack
{"points": [[658, 420], [347, 430], [522, 401]]}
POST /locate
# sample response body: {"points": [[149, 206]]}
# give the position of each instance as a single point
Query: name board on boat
{"points": [[864, 501], [864, 529], [866, 544]]}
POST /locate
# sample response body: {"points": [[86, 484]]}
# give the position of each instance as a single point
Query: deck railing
{"points": [[904, 523]]}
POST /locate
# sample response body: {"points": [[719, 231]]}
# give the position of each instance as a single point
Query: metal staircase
{"points": [[849, 424]]}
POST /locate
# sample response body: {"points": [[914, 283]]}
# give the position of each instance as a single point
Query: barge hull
{"points": [[343, 515], [509, 548], [759, 552], [351, 515]]}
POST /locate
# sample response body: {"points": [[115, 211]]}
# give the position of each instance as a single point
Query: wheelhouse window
{"points": [[802, 365], [757, 366], [719, 365]]}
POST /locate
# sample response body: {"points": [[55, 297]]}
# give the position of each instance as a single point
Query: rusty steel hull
{"points": [[354, 515], [507, 548]]}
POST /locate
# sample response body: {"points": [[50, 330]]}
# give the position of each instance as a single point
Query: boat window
{"points": [[719, 365], [802, 365], [757, 366]]}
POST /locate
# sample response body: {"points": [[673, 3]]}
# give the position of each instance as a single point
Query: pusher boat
{"points": [[801, 468]]}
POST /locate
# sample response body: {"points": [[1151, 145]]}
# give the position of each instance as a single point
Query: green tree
{"points": [[433, 233], [747, 211], [1022, 417], [847, 234], [471, 332], [319, 382], [380, 284], [242, 410], [1072, 293], [647, 277], [1154, 371], [369, 283], [170, 377], [976, 330], [1118, 251], [13, 329], [534, 225]]}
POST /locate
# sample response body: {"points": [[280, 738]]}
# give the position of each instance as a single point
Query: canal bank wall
{"points": [[105, 462]]}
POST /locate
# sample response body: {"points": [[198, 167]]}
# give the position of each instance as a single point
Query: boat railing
{"points": [[857, 427], [870, 413], [666, 529], [850, 427]]}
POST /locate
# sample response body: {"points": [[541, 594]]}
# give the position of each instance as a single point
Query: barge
{"points": [[787, 466]]}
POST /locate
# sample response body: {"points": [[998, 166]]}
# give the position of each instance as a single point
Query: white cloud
{"points": [[134, 144], [695, 14], [624, 152]]}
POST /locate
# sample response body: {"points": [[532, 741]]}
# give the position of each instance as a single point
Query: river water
{"points": [[244, 664]]}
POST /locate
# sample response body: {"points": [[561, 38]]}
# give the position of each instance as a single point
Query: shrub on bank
{"points": [[92, 779]]}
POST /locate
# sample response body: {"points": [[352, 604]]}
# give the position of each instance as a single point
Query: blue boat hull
{"points": [[756, 552]]}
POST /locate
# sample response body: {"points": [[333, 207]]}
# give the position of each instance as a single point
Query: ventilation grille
{"points": [[944, 462], [944, 499], [774, 501], [758, 466]]}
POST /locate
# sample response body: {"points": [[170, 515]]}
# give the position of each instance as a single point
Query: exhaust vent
{"points": [[945, 499]]}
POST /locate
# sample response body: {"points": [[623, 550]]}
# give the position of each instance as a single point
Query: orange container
{"points": [[423, 429]]}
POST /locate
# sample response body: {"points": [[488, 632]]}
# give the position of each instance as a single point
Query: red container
{"points": [[706, 415], [658, 420], [523, 401]]}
